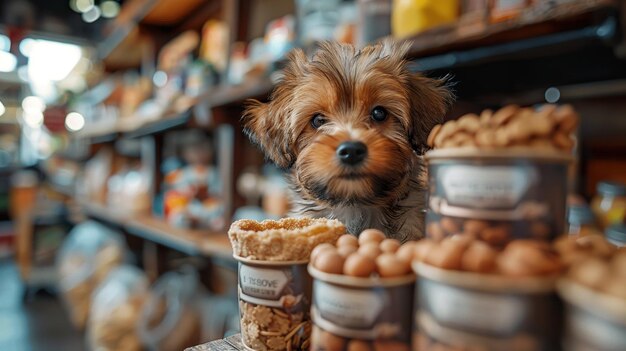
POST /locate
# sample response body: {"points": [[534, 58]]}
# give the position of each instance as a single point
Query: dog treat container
{"points": [[353, 313], [460, 310], [274, 303], [497, 195], [593, 321]]}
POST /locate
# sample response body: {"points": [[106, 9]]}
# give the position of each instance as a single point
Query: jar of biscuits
{"points": [[609, 205], [502, 175], [581, 220], [362, 294], [473, 296], [274, 287]]}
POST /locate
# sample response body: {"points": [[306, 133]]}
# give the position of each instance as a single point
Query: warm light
{"points": [[26, 46], [51, 60], [74, 121], [159, 78], [2, 108], [109, 9], [83, 5], [33, 104], [92, 15], [5, 43], [8, 61], [33, 119]]}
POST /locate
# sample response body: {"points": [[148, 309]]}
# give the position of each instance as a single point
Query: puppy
{"points": [[350, 126]]}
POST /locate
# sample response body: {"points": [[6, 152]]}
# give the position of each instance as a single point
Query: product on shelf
{"points": [[616, 235], [97, 172], [115, 310], [88, 254], [470, 294], [595, 295], [410, 17], [501, 176], [573, 249], [129, 189], [274, 286], [362, 293], [609, 204], [170, 320], [581, 220]]}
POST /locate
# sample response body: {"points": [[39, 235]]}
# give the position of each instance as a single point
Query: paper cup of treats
{"points": [[274, 286], [362, 294], [595, 294], [501, 175]]}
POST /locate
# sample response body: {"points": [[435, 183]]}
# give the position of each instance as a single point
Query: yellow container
{"points": [[410, 17]]}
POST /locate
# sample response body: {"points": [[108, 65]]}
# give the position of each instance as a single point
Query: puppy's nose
{"points": [[351, 152]]}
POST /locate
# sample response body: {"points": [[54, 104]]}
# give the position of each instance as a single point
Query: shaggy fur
{"points": [[343, 85]]}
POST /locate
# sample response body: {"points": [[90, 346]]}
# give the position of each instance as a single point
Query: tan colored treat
{"points": [[406, 251], [388, 265], [598, 244], [346, 251], [433, 134], [288, 239], [450, 225], [618, 263], [371, 235], [469, 123], [563, 141], [423, 248], [435, 231], [479, 257], [390, 345], [358, 265], [539, 230], [566, 118], [592, 272], [474, 226], [528, 258], [359, 345], [389, 245], [371, 250], [485, 118], [330, 262], [331, 342], [348, 240], [504, 115], [496, 235], [486, 137], [319, 248], [447, 254]]}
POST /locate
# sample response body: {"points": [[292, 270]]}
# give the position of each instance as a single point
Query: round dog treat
{"points": [[371, 235], [388, 265], [423, 249], [348, 240], [358, 265], [359, 345], [485, 137], [592, 272], [406, 251], [527, 258], [435, 231], [474, 226], [329, 261], [485, 117], [389, 245], [390, 345], [433, 134], [371, 250], [450, 225], [346, 250], [598, 244], [469, 123], [495, 235], [504, 115], [319, 249], [447, 254], [479, 257]]}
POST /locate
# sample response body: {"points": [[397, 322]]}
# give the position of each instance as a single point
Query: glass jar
{"points": [[609, 204], [581, 221], [616, 235]]}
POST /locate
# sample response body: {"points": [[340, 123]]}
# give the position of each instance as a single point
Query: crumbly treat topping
{"points": [[288, 239]]}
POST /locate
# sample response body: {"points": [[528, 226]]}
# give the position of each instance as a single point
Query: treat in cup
{"points": [[274, 287]]}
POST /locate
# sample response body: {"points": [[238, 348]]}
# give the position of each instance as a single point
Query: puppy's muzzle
{"points": [[351, 153]]}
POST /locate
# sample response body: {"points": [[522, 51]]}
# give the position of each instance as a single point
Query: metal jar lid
{"points": [[580, 214], [616, 234], [611, 188]]}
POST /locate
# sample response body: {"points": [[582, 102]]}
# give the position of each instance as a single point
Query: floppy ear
{"points": [[267, 124], [430, 100]]}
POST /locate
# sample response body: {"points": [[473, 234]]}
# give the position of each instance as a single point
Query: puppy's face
{"points": [[348, 122]]}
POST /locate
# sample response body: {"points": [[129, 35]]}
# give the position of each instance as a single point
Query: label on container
{"points": [[262, 285], [352, 308], [486, 186], [595, 331], [498, 314]]}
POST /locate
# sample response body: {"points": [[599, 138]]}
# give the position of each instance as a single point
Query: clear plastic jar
{"points": [[609, 204], [581, 221]]}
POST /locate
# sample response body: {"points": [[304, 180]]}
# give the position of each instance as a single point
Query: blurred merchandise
{"points": [[609, 204], [116, 309], [317, 20], [23, 192], [374, 20], [87, 255], [93, 185], [581, 220], [214, 44], [170, 317], [410, 17], [129, 189], [280, 36], [616, 235], [238, 64]]}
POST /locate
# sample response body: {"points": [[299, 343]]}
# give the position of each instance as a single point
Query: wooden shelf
{"points": [[189, 241], [533, 22]]}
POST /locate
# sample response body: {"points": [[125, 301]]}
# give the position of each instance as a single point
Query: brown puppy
{"points": [[350, 125]]}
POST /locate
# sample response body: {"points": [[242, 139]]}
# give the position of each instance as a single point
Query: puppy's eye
{"points": [[379, 114], [317, 121]]}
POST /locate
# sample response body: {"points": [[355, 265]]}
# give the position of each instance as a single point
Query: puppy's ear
{"points": [[268, 124], [430, 100]]}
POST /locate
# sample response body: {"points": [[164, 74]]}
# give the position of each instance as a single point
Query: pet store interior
{"points": [[125, 161]]}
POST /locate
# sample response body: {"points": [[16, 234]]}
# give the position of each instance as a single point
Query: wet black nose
{"points": [[351, 152]]}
